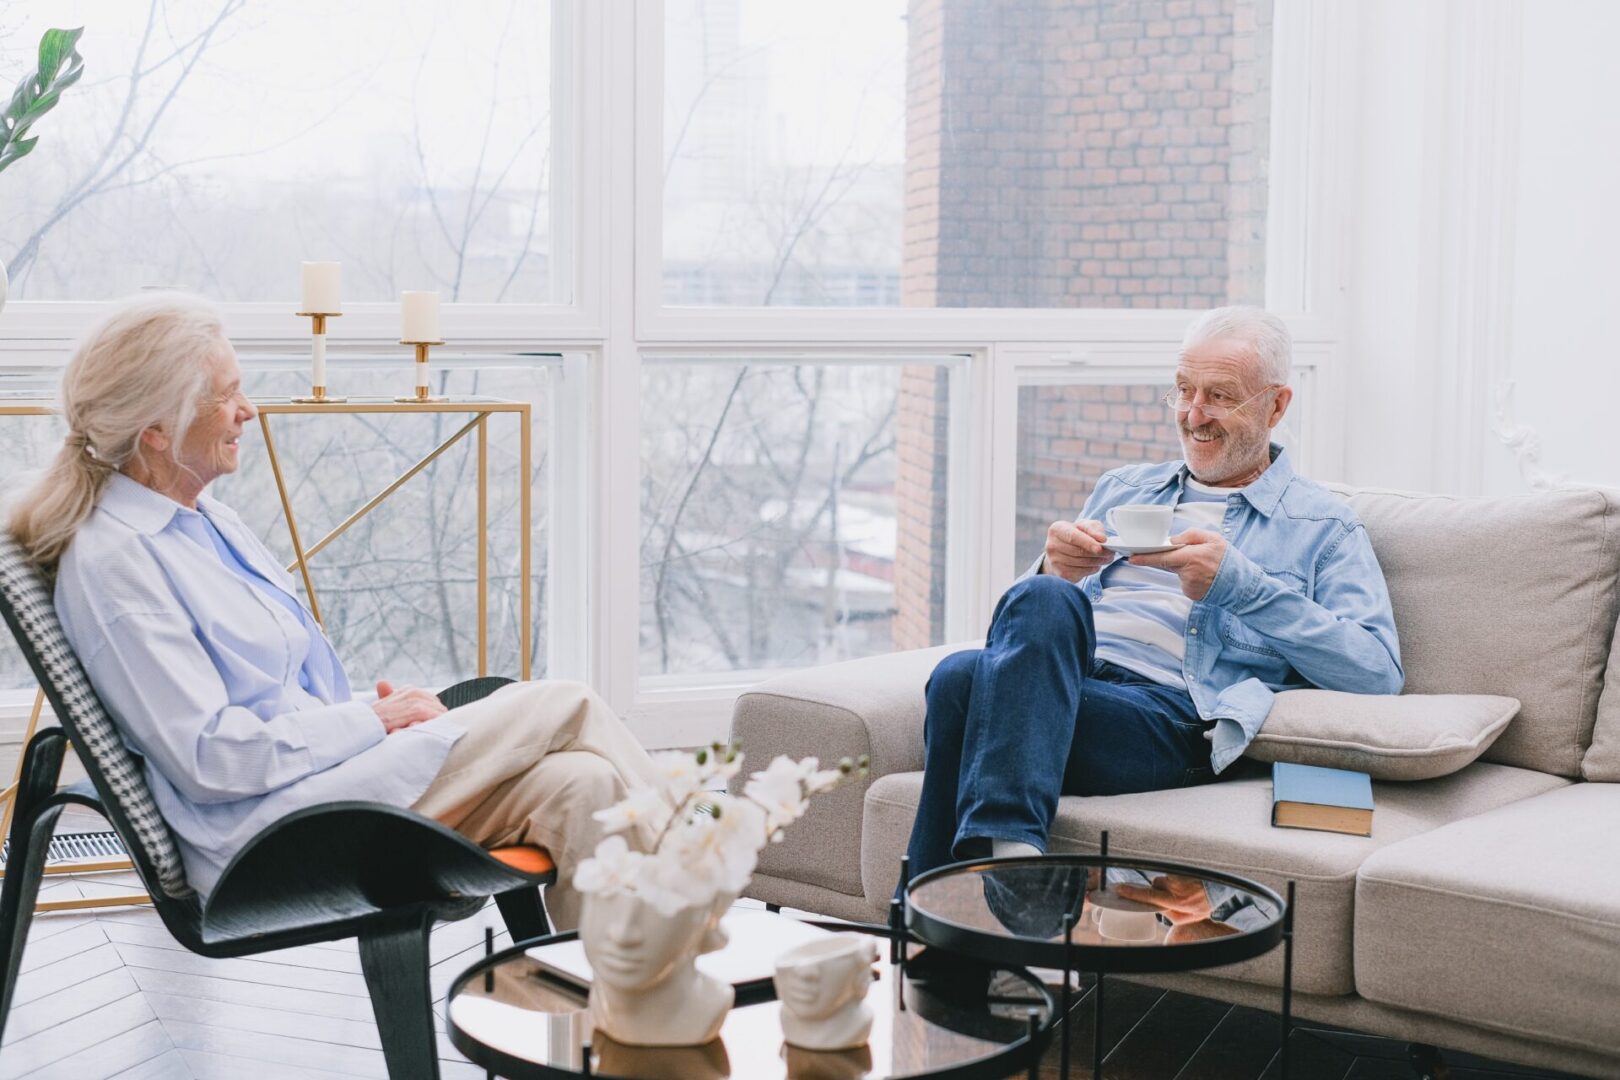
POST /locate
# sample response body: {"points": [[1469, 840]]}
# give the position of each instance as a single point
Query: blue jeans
{"points": [[1034, 715]]}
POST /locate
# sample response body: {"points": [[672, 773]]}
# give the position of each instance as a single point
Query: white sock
{"points": [[1007, 849]]}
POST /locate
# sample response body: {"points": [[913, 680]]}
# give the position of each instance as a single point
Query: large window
{"points": [[966, 153], [792, 514], [213, 144], [843, 291]]}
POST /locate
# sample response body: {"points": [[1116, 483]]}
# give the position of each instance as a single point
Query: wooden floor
{"points": [[110, 994], [1152, 1034]]}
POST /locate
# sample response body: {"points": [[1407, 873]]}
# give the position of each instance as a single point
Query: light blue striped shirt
{"points": [[1141, 617], [1299, 599], [233, 697]]}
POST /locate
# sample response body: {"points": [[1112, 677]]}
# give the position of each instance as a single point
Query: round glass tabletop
{"points": [[1139, 916], [932, 1018]]}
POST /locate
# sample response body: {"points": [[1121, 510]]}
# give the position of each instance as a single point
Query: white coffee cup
{"points": [[1140, 524], [1119, 919]]}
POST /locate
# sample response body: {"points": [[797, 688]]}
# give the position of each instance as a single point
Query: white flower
{"points": [[713, 853], [779, 790], [679, 774], [670, 882], [614, 868], [821, 780], [705, 843], [722, 769], [643, 809]]}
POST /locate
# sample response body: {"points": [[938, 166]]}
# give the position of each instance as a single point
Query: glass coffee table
{"points": [[932, 1018], [1090, 913]]}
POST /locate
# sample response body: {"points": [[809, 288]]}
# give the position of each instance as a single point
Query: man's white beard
{"points": [[1240, 453]]}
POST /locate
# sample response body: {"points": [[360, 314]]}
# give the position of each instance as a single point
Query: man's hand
{"points": [[1196, 559], [1182, 899], [1074, 549], [1184, 902], [400, 709]]}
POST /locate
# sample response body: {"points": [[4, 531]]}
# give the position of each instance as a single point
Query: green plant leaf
{"points": [[71, 75], [21, 100], [14, 150], [60, 66], [54, 47]]}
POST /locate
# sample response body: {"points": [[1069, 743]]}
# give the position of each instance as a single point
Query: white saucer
{"points": [[1113, 544]]}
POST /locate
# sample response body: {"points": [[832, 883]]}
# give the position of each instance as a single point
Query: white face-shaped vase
{"points": [[645, 986], [822, 986]]}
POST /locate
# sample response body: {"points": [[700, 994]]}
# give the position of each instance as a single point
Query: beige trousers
{"points": [[537, 760]]}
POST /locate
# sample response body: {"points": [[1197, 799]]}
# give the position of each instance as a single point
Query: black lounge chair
{"points": [[345, 869]]}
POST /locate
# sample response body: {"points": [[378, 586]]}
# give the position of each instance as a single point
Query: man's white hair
{"points": [[1266, 334]]}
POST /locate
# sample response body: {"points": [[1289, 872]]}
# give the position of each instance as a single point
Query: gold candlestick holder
{"points": [[422, 350], [317, 329]]}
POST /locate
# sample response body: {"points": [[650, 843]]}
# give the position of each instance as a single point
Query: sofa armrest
{"points": [[874, 707]]}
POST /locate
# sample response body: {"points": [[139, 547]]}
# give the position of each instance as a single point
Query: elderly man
{"points": [[1104, 675]]}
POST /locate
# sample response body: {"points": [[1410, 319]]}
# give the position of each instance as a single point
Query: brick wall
{"points": [[1075, 153], [1068, 436], [920, 480], [1085, 153]]}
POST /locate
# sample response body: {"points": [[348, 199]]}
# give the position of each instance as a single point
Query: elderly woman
{"points": [[221, 679]]}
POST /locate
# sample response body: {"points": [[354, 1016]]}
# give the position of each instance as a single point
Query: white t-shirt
{"points": [[1141, 617]]}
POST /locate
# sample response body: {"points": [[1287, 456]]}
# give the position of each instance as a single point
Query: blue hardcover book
{"points": [[1312, 797]]}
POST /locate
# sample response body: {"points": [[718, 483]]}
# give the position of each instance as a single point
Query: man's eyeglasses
{"points": [[1180, 400]]}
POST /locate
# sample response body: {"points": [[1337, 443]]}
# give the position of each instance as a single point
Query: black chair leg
{"points": [[523, 913], [30, 838], [394, 957]]}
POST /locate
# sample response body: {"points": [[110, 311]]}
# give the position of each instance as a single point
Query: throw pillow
{"points": [[1389, 737]]}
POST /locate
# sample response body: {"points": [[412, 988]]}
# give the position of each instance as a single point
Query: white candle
{"points": [[323, 288], [419, 316]]}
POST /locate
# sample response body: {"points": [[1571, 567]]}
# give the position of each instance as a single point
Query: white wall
{"points": [[1483, 227], [1385, 390], [1566, 285]]}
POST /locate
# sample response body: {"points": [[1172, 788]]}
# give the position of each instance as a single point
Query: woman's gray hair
{"points": [[144, 365], [1266, 334]]}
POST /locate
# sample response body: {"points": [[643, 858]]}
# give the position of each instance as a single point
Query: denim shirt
{"points": [[1299, 601], [205, 674]]}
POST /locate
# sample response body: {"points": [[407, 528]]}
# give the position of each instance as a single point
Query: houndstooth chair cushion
{"points": [[92, 730]]}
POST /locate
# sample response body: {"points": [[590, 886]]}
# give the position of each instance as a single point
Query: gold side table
{"points": [[479, 411]]}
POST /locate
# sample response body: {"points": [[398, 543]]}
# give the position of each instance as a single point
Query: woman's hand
{"points": [[400, 709]]}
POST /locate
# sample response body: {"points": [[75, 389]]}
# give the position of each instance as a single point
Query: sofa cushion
{"points": [[1524, 904], [1227, 826], [873, 706], [1389, 737], [1487, 589], [1602, 760]]}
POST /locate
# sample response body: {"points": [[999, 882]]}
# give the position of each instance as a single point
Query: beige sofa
{"points": [[1483, 914]]}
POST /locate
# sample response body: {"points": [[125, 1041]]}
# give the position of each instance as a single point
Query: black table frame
{"points": [[908, 922], [1026, 1051]]}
